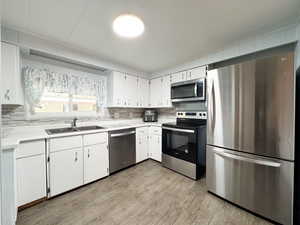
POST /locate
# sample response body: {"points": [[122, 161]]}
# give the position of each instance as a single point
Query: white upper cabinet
{"points": [[11, 86], [166, 91], [176, 77], [160, 92], [130, 93], [143, 93], [196, 73], [179, 77], [156, 92], [125, 91], [116, 89]]}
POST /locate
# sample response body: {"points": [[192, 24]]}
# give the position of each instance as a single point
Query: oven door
{"points": [[193, 90], [179, 143]]}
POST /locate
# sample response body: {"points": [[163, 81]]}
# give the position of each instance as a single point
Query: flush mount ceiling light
{"points": [[129, 26]]}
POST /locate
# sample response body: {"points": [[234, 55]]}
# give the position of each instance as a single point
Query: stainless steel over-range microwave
{"points": [[187, 91]]}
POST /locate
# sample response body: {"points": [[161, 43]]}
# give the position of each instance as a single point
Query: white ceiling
{"points": [[176, 31]]}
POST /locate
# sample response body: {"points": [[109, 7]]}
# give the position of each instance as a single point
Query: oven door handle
{"points": [[179, 130]]}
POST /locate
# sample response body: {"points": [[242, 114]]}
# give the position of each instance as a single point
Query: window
{"points": [[65, 103], [53, 102], [82, 103]]}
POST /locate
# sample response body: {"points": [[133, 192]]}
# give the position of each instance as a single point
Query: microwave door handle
{"points": [[247, 159], [179, 130], [195, 89]]}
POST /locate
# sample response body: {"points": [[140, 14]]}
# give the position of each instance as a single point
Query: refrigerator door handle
{"points": [[212, 105], [247, 159]]}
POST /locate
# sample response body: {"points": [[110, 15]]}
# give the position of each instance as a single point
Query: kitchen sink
{"points": [[71, 129]]}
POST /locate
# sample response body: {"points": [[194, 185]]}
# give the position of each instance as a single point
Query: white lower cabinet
{"points": [[142, 144], [96, 162], [86, 160], [66, 170], [155, 143], [148, 143], [31, 179], [30, 172], [155, 147]]}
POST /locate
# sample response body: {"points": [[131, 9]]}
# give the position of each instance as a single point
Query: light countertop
{"points": [[13, 136]]}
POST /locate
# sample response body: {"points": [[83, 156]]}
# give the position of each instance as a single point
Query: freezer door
{"points": [[251, 106], [262, 185]]}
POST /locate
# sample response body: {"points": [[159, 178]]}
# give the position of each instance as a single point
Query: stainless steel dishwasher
{"points": [[121, 149]]}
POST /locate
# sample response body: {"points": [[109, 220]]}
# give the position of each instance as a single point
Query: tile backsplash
{"points": [[14, 115]]}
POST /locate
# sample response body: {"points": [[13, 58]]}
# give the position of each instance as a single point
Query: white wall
{"points": [[284, 35], [30, 41]]}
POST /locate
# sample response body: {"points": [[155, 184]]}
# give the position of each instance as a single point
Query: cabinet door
{"points": [[66, 170], [166, 88], [95, 162], [155, 143], [197, 73], [31, 179], [183, 76], [142, 144], [155, 92], [131, 91], [11, 82], [158, 148], [143, 92], [118, 88], [176, 77]]}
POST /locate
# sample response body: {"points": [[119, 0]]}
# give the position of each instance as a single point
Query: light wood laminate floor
{"points": [[145, 194]]}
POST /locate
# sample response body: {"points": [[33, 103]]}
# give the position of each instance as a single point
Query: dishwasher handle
{"points": [[122, 134]]}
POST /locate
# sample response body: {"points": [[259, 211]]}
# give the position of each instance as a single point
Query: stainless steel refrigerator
{"points": [[251, 131]]}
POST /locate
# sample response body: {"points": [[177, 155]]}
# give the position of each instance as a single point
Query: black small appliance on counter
{"points": [[150, 115]]}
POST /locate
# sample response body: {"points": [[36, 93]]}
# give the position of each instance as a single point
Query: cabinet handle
{"points": [[76, 157], [7, 97], [88, 153]]}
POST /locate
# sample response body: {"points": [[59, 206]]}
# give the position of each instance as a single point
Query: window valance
{"points": [[37, 80]]}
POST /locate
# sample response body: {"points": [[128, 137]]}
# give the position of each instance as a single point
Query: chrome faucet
{"points": [[74, 123]]}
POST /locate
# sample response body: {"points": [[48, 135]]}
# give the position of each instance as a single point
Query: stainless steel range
{"points": [[183, 144]]}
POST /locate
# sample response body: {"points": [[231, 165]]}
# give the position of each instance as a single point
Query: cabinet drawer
{"points": [[92, 139], [142, 130], [155, 130], [31, 148], [57, 144]]}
